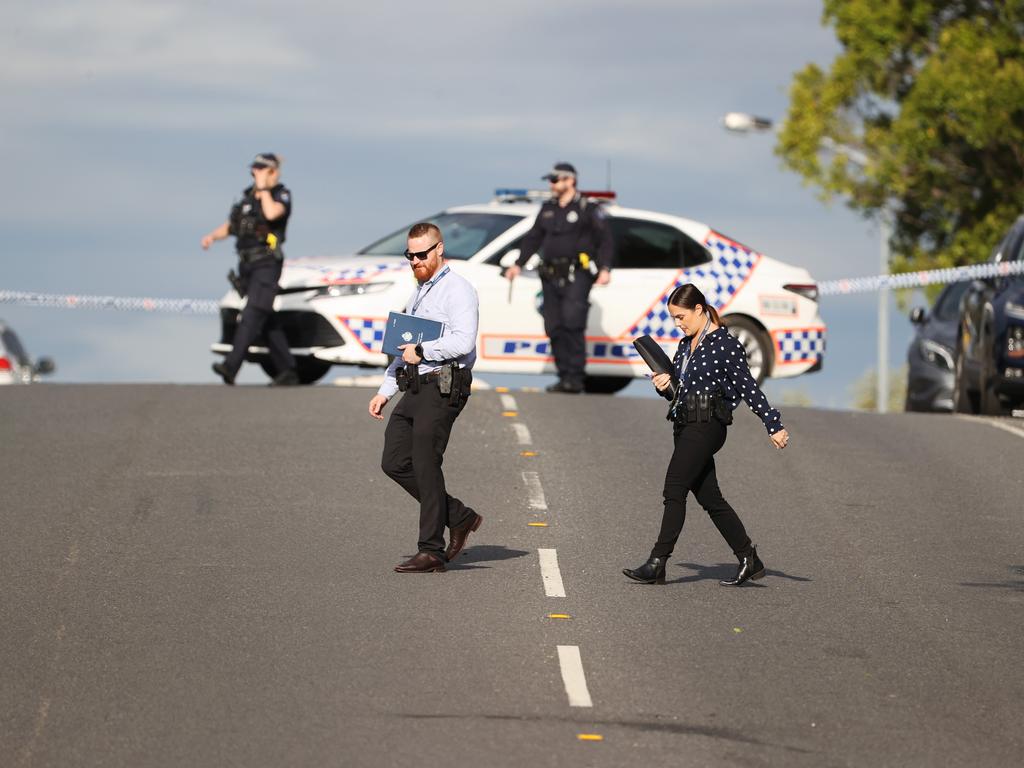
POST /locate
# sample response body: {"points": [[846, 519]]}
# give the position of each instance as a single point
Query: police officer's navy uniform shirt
{"points": [[250, 206], [564, 233], [451, 299], [720, 365]]}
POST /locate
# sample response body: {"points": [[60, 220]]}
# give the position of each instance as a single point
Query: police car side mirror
{"points": [[509, 258], [44, 366], [918, 315]]}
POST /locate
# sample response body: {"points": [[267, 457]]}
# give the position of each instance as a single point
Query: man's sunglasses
{"points": [[421, 255]]}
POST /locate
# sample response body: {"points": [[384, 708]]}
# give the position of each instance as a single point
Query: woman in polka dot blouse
{"points": [[712, 362]]}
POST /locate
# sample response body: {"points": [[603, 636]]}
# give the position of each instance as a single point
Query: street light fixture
{"points": [[741, 122]]}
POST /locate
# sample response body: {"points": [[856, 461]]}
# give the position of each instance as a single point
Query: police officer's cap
{"points": [[560, 170], [266, 160]]}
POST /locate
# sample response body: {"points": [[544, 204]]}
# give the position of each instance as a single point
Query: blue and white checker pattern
{"points": [[368, 330], [351, 275], [728, 270], [800, 345]]}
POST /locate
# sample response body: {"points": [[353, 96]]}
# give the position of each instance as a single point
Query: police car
{"points": [[334, 309], [16, 367]]}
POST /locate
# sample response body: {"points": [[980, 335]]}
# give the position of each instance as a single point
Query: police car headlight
{"points": [[349, 289], [936, 354]]}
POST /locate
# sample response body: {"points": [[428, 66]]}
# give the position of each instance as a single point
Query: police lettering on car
{"points": [[575, 244], [258, 222]]}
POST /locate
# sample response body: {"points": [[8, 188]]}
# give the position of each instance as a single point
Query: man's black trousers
{"points": [[565, 322], [259, 280], [692, 468], [414, 444]]}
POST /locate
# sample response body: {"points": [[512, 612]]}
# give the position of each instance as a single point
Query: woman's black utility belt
{"points": [[700, 408]]}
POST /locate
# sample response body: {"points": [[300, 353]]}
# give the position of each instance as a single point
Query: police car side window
{"points": [[14, 348], [643, 244]]}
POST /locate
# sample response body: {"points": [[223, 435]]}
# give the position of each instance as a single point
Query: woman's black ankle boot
{"points": [[651, 572], [751, 568]]}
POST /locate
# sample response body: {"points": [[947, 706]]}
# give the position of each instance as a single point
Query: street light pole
{"points": [[740, 122], [882, 393]]}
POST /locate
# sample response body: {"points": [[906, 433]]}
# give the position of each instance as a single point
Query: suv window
{"points": [[643, 244], [1010, 247], [948, 305]]}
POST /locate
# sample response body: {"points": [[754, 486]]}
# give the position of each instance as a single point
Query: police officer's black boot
{"points": [[651, 572], [565, 386], [286, 378], [751, 568], [222, 370]]}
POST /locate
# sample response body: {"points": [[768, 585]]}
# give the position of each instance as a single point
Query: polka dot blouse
{"points": [[720, 365]]}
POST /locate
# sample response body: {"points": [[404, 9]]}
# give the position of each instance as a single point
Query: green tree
{"points": [[865, 390], [932, 94]]}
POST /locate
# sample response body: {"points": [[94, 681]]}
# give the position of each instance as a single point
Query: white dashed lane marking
{"points": [[998, 424], [572, 675], [522, 433], [550, 574], [509, 403], [534, 491]]}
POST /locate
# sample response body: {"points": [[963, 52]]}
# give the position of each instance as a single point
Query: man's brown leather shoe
{"points": [[423, 562], [460, 535]]}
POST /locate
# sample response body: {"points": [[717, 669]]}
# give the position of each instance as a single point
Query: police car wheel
{"points": [[605, 385], [309, 369], [756, 343]]}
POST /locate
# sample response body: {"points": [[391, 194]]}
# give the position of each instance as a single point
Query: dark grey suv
{"points": [[931, 354]]}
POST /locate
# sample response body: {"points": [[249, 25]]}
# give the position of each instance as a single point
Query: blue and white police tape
{"points": [[118, 303], [841, 287], [919, 279]]}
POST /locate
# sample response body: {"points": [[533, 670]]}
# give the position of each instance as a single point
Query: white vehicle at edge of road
{"points": [[334, 309]]}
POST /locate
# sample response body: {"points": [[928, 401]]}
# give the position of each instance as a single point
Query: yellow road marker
{"points": [[737, 630], [559, 616], [510, 414], [538, 525], [502, 390], [590, 737], [527, 453]]}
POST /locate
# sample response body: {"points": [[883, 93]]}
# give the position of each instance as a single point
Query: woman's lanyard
{"points": [[691, 350], [687, 357], [435, 281]]}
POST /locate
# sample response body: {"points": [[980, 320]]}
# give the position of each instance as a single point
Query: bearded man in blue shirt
{"points": [[438, 376]]}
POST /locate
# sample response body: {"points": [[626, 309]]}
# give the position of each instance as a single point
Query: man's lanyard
{"points": [[435, 281]]}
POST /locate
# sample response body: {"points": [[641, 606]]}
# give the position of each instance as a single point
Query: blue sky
{"points": [[127, 128]]}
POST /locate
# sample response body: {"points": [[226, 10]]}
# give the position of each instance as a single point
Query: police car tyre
{"points": [[309, 369], [756, 343], [605, 385]]}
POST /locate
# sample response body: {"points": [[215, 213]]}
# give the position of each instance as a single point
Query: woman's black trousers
{"points": [[692, 468]]}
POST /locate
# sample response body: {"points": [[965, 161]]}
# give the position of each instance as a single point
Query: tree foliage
{"points": [[931, 94]]}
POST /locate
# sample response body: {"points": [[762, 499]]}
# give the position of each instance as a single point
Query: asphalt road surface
{"points": [[201, 576]]}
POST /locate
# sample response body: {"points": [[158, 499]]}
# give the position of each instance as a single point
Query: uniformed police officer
{"points": [[258, 222], [435, 377], [577, 252]]}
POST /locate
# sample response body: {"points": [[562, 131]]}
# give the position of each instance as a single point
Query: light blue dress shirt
{"points": [[451, 299]]}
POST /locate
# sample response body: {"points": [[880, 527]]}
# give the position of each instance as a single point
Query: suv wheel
{"points": [[961, 397]]}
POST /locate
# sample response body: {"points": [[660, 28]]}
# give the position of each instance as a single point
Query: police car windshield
{"points": [[465, 234]]}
